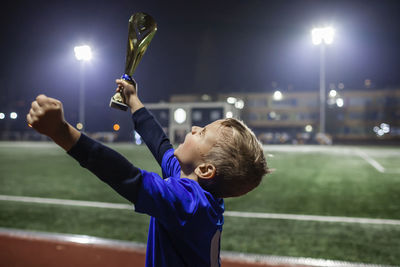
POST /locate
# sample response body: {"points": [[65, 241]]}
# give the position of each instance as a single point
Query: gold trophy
{"points": [[142, 28]]}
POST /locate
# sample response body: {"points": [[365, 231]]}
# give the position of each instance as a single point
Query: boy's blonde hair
{"points": [[239, 161]]}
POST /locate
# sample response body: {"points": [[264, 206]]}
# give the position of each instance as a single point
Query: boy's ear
{"points": [[205, 171]]}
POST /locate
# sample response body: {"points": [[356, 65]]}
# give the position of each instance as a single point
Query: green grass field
{"points": [[332, 181]]}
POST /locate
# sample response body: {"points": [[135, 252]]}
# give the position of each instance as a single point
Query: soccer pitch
{"points": [[348, 181]]}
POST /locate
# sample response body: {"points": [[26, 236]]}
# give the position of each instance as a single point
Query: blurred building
{"points": [[352, 116], [177, 118]]}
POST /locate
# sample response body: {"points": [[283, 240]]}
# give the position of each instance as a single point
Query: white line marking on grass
{"points": [[256, 215], [68, 202], [317, 218], [371, 161]]}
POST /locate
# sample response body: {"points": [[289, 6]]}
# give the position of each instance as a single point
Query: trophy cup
{"points": [[142, 28]]}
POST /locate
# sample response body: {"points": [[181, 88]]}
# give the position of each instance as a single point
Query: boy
{"points": [[223, 159]]}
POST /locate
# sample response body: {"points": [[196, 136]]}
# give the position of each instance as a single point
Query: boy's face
{"points": [[197, 144]]}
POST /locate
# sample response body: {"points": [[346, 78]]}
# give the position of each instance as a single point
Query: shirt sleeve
{"points": [[152, 133], [109, 166], [173, 201], [170, 165]]}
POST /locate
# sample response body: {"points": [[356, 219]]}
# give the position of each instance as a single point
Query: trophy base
{"points": [[118, 105]]}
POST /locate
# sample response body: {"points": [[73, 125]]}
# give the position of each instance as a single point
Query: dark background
{"points": [[200, 47]]}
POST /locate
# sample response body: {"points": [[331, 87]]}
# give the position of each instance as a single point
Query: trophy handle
{"points": [[118, 100]]}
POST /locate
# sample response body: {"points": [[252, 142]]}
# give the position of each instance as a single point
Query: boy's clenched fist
{"points": [[46, 116]]}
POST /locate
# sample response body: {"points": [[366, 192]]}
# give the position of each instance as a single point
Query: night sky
{"points": [[200, 47]]}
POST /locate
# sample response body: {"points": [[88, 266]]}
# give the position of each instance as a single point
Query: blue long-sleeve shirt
{"points": [[186, 221]]}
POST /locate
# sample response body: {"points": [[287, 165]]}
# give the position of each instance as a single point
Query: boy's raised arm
{"points": [[145, 124], [152, 133], [46, 117]]}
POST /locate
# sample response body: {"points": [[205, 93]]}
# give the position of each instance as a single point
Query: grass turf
{"points": [[350, 242], [303, 183], [324, 184]]}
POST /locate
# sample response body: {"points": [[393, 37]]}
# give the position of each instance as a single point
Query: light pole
{"points": [[82, 53], [322, 37]]}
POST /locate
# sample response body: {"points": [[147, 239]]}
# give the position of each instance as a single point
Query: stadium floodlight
{"points": [[2, 116], [332, 93], [239, 104], [13, 115], [339, 102], [385, 127], [272, 115], [308, 128], [180, 115], [277, 95], [380, 132], [229, 115], [322, 35], [83, 52], [231, 100]]}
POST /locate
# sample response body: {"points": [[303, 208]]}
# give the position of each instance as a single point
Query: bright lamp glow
{"points": [[385, 127], [180, 115], [13, 115], [320, 35], [231, 100], [116, 127], [277, 95], [83, 52], [2, 116], [239, 104], [339, 102]]}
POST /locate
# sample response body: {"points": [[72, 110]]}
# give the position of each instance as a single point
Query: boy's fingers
{"points": [[35, 106], [53, 101], [32, 113], [121, 84], [41, 99], [29, 119]]}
